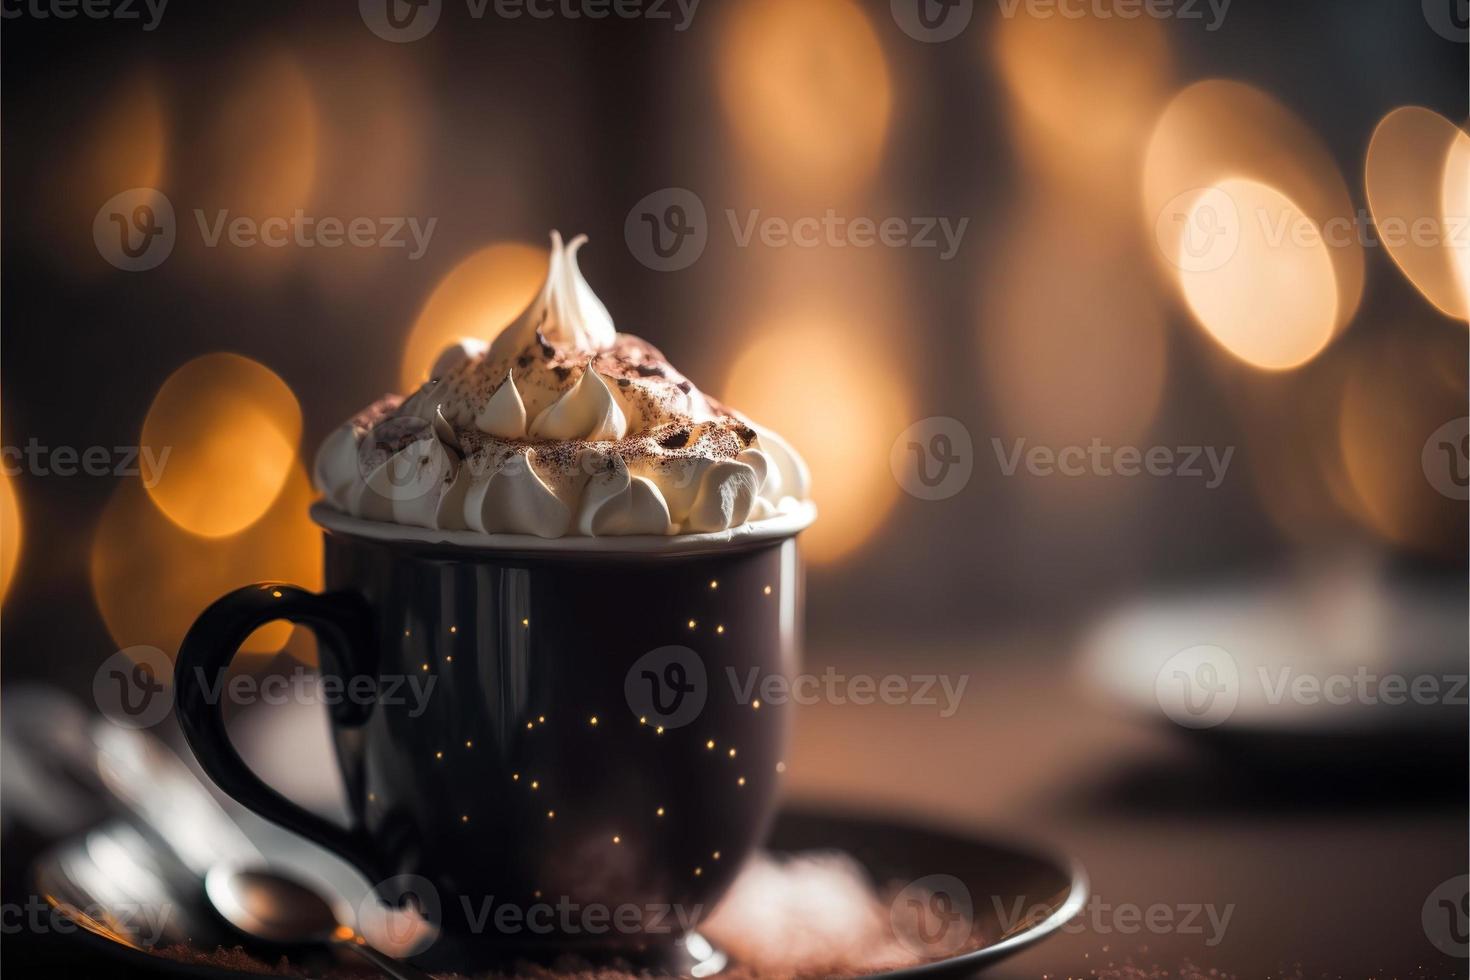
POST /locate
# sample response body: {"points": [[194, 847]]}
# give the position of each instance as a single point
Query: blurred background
{"points": [[1234, 233], [1056, 318]]}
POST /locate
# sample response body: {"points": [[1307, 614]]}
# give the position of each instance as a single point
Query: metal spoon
{"points": [[279, 909]]}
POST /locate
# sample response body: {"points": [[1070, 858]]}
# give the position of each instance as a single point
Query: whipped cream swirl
{"points": [[560, 426]]}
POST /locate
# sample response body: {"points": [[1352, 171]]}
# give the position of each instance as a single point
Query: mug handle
{"points": [[342, 624]]}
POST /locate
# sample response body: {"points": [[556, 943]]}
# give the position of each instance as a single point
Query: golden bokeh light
{"points": [[1402, 389], [1072, 340], [1288, 442], [1263, 285], [1220, 131], [10, 532], [121, 146], [1456, 198], [257, 158], [795, 368], [806, 89], [476, 300], [219, 442], [1409, 179], [1087, 89], [151, 579], [371, 110]]}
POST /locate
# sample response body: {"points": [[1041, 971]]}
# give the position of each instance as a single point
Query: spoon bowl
{"points": [[280, 909]]}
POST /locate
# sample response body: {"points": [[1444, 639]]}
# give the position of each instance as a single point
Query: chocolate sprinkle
{"points": [[675, 440]]}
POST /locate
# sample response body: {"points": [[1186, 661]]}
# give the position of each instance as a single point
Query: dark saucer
{"points": [[1010, 897]]}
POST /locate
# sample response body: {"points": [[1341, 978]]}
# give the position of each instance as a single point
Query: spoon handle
{"points": [[397, 969]]}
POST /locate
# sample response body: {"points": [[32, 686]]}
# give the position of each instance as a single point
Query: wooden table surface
{"points": [[1323, 875]]}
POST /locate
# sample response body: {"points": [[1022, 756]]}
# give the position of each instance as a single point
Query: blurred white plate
{"points": [[1341, 651]]}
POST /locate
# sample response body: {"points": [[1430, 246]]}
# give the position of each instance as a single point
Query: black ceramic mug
{"points": [[588, 741]]}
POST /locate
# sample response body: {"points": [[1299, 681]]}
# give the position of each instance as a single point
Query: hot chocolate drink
{"points": [[596, 565]]}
